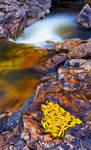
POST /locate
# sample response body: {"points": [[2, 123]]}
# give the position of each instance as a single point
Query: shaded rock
{"points": [[52, 61], [4, 34], [84, 17], [2, 15], [16, 15], [49, 77], [10, 130], [55, 60]]}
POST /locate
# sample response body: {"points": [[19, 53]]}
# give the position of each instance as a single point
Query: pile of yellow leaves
{"points": [[56, 120]]}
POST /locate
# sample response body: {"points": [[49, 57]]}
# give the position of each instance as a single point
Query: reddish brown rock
{"points": [[70, 49], [71, 90], [76, 47], [68, 44]]}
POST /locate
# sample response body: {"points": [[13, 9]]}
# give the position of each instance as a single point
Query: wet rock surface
{"points": [[70, 49], [84, 17], [69, 85], [16, 15]]}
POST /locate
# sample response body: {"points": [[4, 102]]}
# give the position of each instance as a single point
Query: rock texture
{"points": [[15, 15], [69, 49], [69, 85], [84, 17], [18, 14]]}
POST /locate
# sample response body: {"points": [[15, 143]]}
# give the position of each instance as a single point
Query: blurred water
{"points": [[18, 78], [55, 27], [45, 29]]}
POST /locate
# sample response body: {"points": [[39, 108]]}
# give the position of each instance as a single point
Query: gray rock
{"points": [[15, 15], [84, 17], [4, 34], [2, 15]]}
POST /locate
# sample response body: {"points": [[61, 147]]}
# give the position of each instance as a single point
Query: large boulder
{"points": [[84, 17], [15, 15]]}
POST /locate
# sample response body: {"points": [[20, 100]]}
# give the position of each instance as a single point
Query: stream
{"points": [[18, 78]]}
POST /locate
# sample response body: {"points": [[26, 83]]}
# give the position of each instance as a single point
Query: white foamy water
{"points": [[45, 29]]}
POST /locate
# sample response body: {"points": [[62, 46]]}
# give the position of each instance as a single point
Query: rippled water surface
{"points": [[18, 78]]}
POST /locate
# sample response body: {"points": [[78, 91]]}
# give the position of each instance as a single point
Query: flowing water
{"points": [[18, 78], [56, 27]]}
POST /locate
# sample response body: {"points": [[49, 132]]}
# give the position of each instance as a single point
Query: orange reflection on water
{"points": [[18, 79], [14, 95]]}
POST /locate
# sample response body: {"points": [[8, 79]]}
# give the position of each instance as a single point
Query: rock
{"points": [[76, 48], [4, 34], [49, 77], [55, 60], [16, 15], [10, 136], [69, 86], [71, 90], [2, 15], [84, 17], [83, 63], [70, 49]]}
